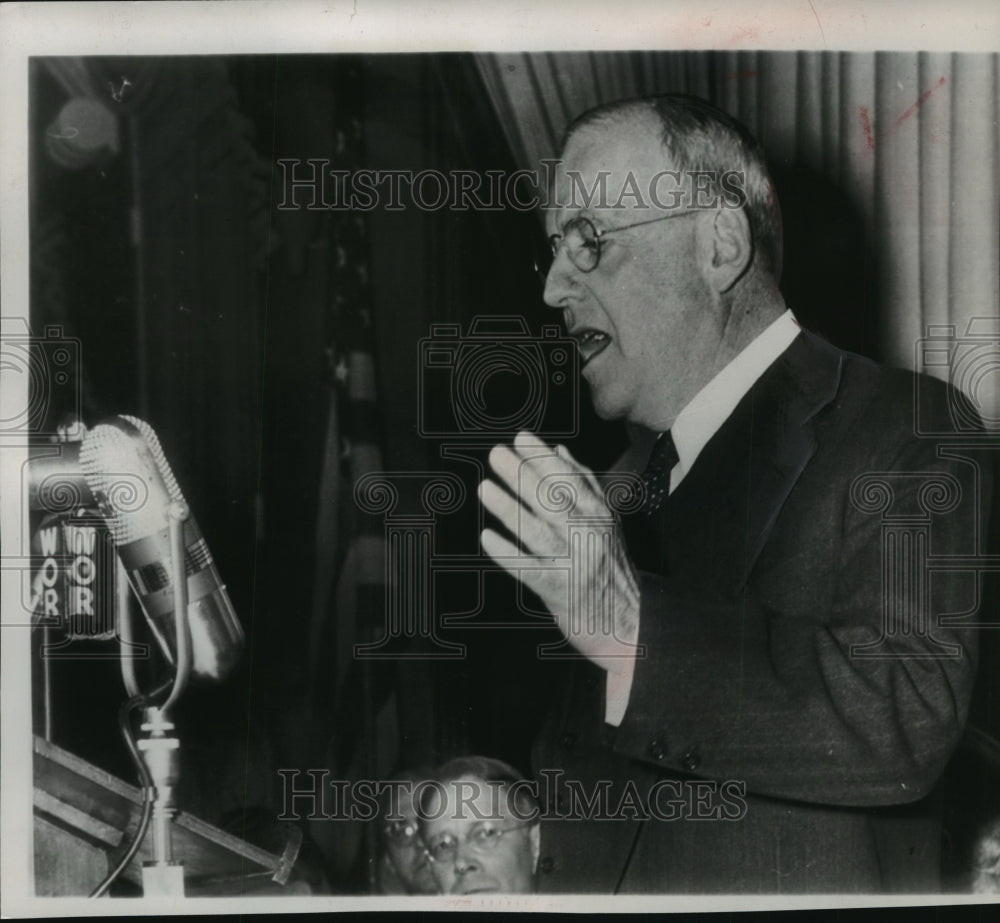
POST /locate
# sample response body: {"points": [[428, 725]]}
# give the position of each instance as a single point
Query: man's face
{"points": [[478, 845], [406, 852], [643, 317]]}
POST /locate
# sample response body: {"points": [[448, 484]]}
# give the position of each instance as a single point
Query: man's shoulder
{"points": [[870, 395]]}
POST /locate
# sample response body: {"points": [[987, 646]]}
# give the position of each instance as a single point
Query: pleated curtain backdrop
{"points": [[912, 138]]}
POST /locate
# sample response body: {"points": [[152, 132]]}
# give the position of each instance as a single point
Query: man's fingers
{"points": [[510, 558], [526, 441], [500, 549], [535, 535], [501, 504], [532, 470], [518, 472], [538, 573], [506, 465], [553, 461]]}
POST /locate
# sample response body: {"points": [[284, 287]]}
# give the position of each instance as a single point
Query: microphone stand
{"points": [[160, 747]]}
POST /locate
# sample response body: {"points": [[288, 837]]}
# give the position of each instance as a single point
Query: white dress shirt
{"points": [[694, 426]]}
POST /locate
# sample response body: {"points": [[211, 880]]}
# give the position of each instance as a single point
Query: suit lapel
{"points": [[718, 519]]}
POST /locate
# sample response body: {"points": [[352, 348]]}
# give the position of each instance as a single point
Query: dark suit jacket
{"points": [[778, 558]]}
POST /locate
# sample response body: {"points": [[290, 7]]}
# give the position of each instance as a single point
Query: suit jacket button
{"points": [[656, 749], [691, 760], [546, 864], [568, 740]]}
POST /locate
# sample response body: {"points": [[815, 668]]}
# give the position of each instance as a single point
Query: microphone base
{"points": [[163, 879]]}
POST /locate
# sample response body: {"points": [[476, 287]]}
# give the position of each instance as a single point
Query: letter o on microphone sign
{"points": [[83, 570], [50, 572]]}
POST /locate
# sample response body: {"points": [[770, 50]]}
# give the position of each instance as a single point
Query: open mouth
{"points": [[591, 343]]}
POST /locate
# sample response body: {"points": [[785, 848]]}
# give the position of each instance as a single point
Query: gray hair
{"points": [[492, 772], [699, 137]]}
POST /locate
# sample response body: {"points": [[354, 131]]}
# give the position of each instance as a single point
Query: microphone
{"points": [[56, 482], [129, 476]]}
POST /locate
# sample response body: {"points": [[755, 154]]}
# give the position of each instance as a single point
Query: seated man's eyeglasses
{"points": [[402, 865], [481, 838], [400, 831]]}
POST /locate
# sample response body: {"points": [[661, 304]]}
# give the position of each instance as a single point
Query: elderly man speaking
{"points": [[769, 684]]}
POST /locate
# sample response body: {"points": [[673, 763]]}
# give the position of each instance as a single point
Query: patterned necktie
{"points": [[656, 477]]}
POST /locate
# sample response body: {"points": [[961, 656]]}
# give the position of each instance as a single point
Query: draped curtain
{"points": [[911, 138]]}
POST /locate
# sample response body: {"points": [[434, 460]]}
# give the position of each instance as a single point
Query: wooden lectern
{"points": [[84, 818]]}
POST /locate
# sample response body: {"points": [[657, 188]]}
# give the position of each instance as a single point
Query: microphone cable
{"points": [[148, 794]]}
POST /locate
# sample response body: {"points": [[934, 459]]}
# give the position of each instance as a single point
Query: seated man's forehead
{"points": [[465, 799], [474, 788], [406, 804]]}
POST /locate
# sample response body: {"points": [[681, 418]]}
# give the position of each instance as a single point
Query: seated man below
{"points": [[403, 866], [986, 860], [479, 823]]}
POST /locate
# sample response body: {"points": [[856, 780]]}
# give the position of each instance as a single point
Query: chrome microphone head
{"points": [[134, 486]]}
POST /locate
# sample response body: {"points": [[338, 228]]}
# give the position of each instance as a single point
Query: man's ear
{"points": [[535, 838], [728, 249]]}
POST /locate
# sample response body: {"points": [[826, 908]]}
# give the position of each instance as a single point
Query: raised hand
{"points": [[569, 553]]}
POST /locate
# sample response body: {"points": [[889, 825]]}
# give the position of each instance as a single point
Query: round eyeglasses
{"points": [[481, 838], [582, 240], [400, 831]]}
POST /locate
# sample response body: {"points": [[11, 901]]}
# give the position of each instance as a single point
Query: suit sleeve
{"points": [[829, 700]]}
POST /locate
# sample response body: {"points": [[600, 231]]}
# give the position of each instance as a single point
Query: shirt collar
{"points": [[711, 406]]}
